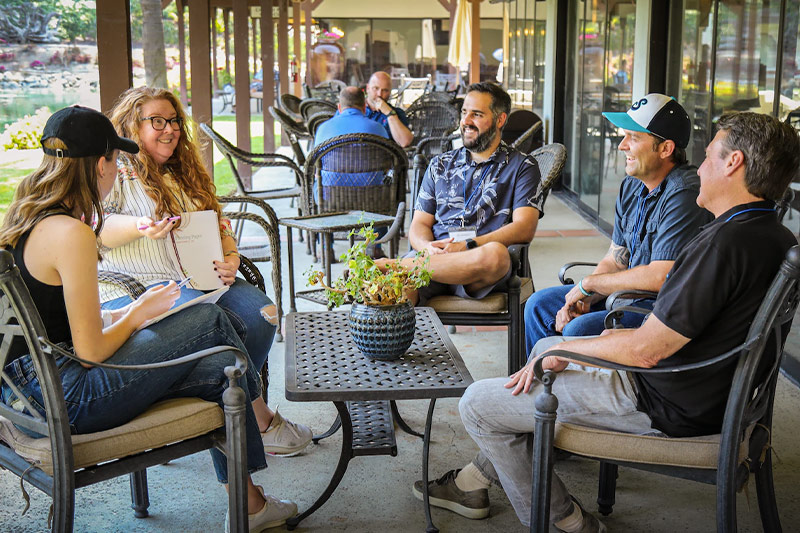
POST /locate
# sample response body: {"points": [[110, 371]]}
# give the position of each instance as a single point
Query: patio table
{"points": [[327, 224], [323, 364]]}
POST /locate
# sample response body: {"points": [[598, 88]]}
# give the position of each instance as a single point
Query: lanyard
{"points": [[746, 210], [475, 190]]}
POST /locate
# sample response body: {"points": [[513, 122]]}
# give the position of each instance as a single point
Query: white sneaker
{"points": [[285, 438], [274, 513]]}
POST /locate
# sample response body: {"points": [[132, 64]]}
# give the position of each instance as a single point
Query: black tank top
{"points": [[49, 301]]}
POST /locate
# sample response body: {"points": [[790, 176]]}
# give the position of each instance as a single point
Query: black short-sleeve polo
{"points": [[711, 295]]}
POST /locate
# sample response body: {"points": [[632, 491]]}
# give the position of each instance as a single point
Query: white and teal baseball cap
{"points": [[658, 114]]}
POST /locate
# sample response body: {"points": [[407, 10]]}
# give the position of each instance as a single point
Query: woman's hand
{"points": [[156, 229], [155, 301], [227, 269]]}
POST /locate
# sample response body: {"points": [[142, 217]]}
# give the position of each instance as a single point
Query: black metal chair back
{"points": [[294, 132], [316, 119], [312, 106], [327, 90], [352, 156]]}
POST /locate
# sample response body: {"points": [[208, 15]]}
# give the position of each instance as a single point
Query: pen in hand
{"points": [[184, 281]]}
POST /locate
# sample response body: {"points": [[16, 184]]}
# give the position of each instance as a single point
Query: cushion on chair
{"points": [[164, 423], [496, 302], [691, 452]]}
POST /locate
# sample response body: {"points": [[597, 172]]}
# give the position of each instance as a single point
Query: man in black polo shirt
{"points": [[705, 308]]}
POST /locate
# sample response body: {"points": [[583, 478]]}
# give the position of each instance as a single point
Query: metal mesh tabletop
{"points": [[332, 222], [322, 363]]}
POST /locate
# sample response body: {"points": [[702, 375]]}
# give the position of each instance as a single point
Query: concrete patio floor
{"points": [[375, 494]]}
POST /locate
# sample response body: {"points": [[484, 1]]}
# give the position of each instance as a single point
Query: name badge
{"points": [[459, 233]]}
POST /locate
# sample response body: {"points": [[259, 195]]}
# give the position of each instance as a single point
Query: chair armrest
{"points": [[518, 254], [129, 284], [269, 212], [397, 225], [563, 272], [609, 321], [611, 301], [239, 367], [602, 363]]}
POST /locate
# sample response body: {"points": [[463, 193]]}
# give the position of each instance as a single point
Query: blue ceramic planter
{"points": [[382, 332]]}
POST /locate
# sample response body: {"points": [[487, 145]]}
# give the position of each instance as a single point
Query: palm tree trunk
{"points": [[153, 44]]}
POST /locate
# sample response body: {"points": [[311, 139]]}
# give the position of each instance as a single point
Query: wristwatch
{"points": [[471, 244], [392, 113]]}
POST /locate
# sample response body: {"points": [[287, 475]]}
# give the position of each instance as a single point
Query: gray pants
{"points": [[502, 425]]}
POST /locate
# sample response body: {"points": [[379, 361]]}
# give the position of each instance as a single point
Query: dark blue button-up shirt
{"points": [[491, 189], [657, 225], [383, 120]]}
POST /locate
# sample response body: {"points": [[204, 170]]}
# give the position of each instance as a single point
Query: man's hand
{"points": [[568, 312], [438, 247], [522, 379], [456, 246], [379, 104]]}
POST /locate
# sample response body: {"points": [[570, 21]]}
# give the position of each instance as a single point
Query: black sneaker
{"points": [[444, 493], [590, 523]]}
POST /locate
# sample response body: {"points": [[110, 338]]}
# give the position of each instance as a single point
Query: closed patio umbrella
{"points": [[460, 51]]}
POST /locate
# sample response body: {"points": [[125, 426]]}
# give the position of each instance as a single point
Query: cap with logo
{"points": [[658, 114], [85, 132]]}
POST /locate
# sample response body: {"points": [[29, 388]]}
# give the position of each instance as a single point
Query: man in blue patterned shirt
{"points": [[474, 202]]}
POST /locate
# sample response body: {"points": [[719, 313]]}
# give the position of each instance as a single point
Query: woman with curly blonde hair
{"points": [[165, 179], [51, 230]]}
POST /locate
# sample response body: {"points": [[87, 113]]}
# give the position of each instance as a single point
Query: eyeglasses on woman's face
{"points": [[159, 123]]}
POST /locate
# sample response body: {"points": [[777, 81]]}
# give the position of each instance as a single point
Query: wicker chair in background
{"points": [[316, 119], [744, 445], [60, 462], [290, 104], [312, 106], [503, 308], [294, 131], [327, 90], [356, 154], [430, 120], [523, 130]]}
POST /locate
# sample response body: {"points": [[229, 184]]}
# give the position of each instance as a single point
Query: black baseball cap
{"points": [[658, 114], [86, 132]]}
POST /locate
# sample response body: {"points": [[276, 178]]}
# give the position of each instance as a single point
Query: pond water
{"points": [[16, 104]]}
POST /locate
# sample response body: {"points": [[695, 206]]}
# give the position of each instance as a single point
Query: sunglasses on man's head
{"points": [[159, 123]]}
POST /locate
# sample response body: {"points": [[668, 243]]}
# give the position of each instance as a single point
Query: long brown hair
{"points": [[185, 165], [67, 185]]}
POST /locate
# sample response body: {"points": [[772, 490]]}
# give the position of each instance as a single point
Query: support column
{"points": [[226, 13], [241, 56], [256, 41], [283, 52], [214, 40], [308, 7], [475, 62], [268, 62], [199, 46], [181, 4], [298, 85], [114, 50]]}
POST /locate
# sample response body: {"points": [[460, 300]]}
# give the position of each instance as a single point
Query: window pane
{"points": [[790, 76]]}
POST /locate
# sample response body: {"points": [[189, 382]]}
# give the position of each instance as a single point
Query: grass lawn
{"points": [[8, 184]]}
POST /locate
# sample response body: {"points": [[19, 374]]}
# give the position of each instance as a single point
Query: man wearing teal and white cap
{"points": [[656, 216]]}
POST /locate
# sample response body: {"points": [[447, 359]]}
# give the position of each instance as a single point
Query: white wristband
{"points": [[106, 316]]}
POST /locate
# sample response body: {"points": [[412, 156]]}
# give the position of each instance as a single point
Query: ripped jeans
{"points": [[243, 303]]}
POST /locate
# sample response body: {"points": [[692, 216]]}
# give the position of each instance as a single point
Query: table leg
{"points": [[290, 251], [327, 244], [425, 448], [341, 467], [333, 429], [402, 423]]}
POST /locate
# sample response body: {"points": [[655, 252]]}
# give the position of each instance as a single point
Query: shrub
{"points": [[25, 133]]}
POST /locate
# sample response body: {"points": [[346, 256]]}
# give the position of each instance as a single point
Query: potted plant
{"points": [[382, 319]]}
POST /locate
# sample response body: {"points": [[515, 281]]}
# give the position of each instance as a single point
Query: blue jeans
{"points": [[541, 309], [502, 425], [98, 398], [242, 303]]}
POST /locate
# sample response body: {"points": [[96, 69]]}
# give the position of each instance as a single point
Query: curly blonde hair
{"points": [[185, 165], [60, 185]]}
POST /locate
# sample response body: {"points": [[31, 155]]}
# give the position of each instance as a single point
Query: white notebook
{"points": [[197, 244], [208, 298]]}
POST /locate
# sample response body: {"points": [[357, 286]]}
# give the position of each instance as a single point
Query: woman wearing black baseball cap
{"points": [[51, 228]]}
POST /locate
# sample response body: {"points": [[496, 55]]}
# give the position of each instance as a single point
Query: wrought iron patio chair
{"points": [[352, 156], [316, 119], [431, 120], [59, 462], [312, 106], [294, 131], [743, 447], [327, 90], [290, 104], [504, 308]]}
